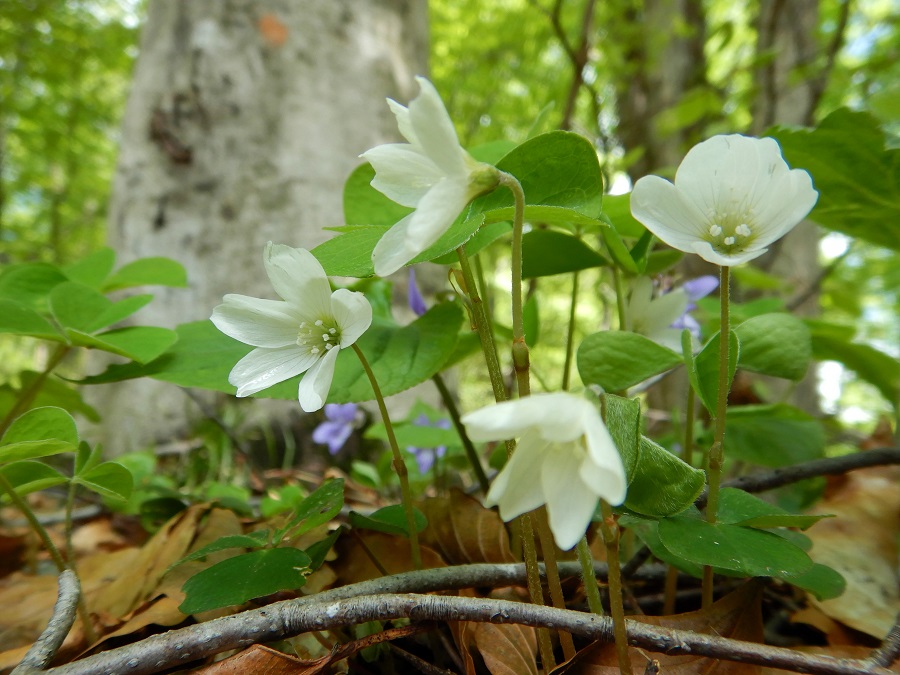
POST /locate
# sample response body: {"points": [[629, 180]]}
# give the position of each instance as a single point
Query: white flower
{"points": [[431, 173], [565, 459], [733, 196], [662, 319], [302, 333]]}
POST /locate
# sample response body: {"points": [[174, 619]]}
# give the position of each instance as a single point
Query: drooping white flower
{"points": [[732, 197], [664, 317], [565, 459], [301, 333], [431, 173]]}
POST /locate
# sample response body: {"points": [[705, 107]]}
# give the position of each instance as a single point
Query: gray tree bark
{"points": [[244, 119]]}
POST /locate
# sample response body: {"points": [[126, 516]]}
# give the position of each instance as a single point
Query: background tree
{"points": [[243, 122]]}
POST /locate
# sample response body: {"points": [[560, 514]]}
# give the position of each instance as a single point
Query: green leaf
{"points": [[737, 507], [93, 269], [773, 435], [109, 479], [414, 435], [854, 172], [648, 532], [663, 484], [33, 450], [244, 577], [317, 509], [120, 310], [390, 519], [41, 424], [140, 343], [350, 253], [623, 419], [484, 237], [741, 550], [617, 209], [619, 252], [318, 552], [775, 344], [364, 205], [147, 272], [548, 252], [705, 374], [401, 357], [28, 476], [617, 360], [18, 319], [29, 284], [820, 580], [77, 306], [251, 540]]}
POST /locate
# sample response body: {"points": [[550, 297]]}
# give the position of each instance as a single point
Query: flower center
{"points": [[319, 337], [729, 233]]}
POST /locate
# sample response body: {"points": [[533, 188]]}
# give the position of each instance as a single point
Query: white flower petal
{"points": [[394, 249], [263, 367], [556, 417], [257, 322], [570, 503], [404, 124], [789, 205], [402, 172], [315, 385], [658, 205], [603, 469], [299, 278], [517, 488], [705, 250], [352, 313], [437, 211], [434, 130]]}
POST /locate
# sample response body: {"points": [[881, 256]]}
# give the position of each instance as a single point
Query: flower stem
{"points": [[548, 548], [535, 590], [588, 577], [570, 336], [482, 325], [610, 531], [471, 453], [717, 451], [399, 464], [55, 555], [620, 298], [519, 348]]}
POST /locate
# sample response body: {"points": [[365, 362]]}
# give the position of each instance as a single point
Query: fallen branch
{"points": [[64, 612], [290, 618], [889, 651]]}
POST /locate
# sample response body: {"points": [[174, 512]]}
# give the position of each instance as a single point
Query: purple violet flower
{"points": [[337, 427], [414, 296], [426, 457], [694, 289]]}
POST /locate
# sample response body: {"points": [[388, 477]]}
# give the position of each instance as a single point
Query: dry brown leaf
{"points": [[861, 544], [260, 659], [353, 563], [464, 531], [738, 615], [507, 649]]}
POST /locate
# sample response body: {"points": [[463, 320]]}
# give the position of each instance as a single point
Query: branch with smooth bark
{"points": [[889, 651], [64, 612], [287, 619]]}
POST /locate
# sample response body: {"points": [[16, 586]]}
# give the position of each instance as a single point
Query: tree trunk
{"points": [[244, 120]]}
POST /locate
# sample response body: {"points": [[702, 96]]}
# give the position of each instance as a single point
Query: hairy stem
{"points": [[398, 463], [570, 335], [519, 347], [588, 576], [610, 531]]}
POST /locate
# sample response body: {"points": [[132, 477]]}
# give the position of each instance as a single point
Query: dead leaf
{"points": [[464, 531], [354, 563], [738, 615], [507, 649], [260, 659], [861, 544]]}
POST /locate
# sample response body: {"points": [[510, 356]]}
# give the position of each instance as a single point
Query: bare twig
{"points": [[889, 651], [816, 283], [64, 612], [419, 664], [289, 618]]}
